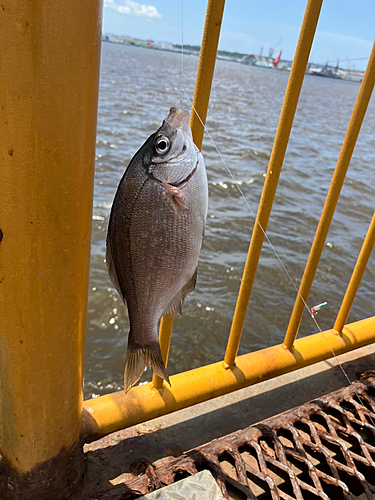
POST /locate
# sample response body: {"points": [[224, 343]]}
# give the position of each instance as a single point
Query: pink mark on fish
{"points": [[178, 195]]}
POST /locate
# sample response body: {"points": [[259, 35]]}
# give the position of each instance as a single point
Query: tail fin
{"points": [[136, 360]]}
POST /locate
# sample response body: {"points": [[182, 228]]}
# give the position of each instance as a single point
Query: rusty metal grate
{"points": [[321, 450]]}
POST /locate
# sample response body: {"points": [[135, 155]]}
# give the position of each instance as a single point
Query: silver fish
{"points": [[155, 235]]}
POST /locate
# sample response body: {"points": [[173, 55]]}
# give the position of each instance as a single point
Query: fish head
{"points": [[174, 154]]}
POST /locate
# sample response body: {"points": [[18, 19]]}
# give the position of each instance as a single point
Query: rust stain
{"points": [[324, 448]]}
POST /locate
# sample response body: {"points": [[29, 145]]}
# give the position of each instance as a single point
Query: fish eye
{"points": [[162, 145]]}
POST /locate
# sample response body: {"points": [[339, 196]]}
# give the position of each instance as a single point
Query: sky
{"points": [[346, 28]]}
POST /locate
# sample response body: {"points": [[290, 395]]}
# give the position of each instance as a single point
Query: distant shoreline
{"points": [[319, 70]]}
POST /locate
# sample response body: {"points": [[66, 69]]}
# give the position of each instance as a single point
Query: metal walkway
{"points": [[324, 449]]}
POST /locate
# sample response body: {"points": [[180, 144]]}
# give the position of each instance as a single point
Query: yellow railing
{"points": [[346, 152], [292, 93], [47, 125], [115, 411]]}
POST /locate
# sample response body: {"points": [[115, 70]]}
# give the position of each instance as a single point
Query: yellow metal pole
{"points": [[342, 165], [206, 66], [49, 74], [165, 342], [356, 278], [292, 93], [119, 410]]}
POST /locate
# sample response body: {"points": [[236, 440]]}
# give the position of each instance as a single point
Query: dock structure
{"points": [[48, 95], [315, 440]]}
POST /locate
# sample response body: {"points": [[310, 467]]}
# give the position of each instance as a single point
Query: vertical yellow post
{"points": [[206, 67], [49, 74], [355, 280], [205, 74], [293, 90], [165, 343]]}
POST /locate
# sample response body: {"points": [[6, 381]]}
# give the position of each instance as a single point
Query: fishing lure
{"points": [[316, 309]]}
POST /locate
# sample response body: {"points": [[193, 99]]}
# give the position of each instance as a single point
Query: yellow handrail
{"points": [[205, 73], [309, 23], [118, 410], [343, 161], [356, 278]]}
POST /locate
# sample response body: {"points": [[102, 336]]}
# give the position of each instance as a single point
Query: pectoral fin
{"points": [[178, 195], [176, 303]]}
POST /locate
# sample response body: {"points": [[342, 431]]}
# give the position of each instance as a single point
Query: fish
{"points": [[155, 235]]}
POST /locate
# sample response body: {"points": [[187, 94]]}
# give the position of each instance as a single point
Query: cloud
{"points": [[130, 8], [349, 40], [331, 46], [238, 37]]}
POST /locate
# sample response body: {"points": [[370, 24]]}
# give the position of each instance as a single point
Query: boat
{"points": [[261, 61], [325, 71]]}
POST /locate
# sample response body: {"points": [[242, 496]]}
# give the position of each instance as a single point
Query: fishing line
{"points": [[272, 247], [182, 48], [253, 214]]}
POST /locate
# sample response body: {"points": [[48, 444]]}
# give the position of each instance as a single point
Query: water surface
{"points": [[137, 88]]}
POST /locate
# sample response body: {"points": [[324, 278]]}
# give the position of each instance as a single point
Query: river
{"points": [[137, 88]]}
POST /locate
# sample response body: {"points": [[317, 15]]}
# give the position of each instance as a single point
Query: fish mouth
{"points": [[179, 118]]}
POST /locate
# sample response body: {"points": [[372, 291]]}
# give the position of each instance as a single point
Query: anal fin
{"points": [[176, 303]]}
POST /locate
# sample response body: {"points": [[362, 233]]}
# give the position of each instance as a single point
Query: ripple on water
{"points": [[242, 118]]}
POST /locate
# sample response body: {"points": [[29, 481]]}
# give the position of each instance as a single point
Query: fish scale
{"points": [[155, 234]]}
